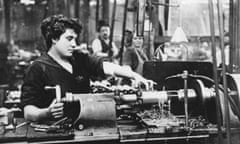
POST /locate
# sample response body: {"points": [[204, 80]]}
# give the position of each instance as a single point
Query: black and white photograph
{"points": [[120, 71]]}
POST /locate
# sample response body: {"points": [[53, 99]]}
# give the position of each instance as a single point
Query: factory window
{"points": [[193, 17]]}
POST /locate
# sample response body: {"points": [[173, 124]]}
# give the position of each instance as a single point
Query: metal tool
{"points": [[21, 124], [59, 121], [57, 91]]}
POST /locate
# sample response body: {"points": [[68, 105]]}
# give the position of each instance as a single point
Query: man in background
{"points": [[101, 46]]}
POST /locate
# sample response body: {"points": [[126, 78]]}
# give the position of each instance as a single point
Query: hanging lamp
{"points": [[179, 35]]}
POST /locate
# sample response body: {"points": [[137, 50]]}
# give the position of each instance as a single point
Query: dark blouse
{"points": [[135, 58], [45, 71]]}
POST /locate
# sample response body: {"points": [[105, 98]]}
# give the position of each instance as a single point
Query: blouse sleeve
{"points": [[33, 86], [92, 65]]}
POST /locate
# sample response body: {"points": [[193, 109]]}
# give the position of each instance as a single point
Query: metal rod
{"points": [[59, 121], [166, 139], [232, 26], [226, 102], [140, 17], [237, 65], [144, 17], [215, 76], [237, 44], [166, 15], [97, 13], [113, 21], [150, 17], [7, 16], [185, 77], [21, 124], [123, 30], [58, 93]]}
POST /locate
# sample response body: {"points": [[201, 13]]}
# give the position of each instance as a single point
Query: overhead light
{"points": [[179, 36]]}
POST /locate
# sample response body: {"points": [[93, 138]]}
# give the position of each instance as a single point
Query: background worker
{"points": [[101, 46]]}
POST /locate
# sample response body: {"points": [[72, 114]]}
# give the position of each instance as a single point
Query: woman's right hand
{"points": [[55, 109]]}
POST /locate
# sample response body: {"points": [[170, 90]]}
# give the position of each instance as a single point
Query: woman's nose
{"points": [[73, 43]]}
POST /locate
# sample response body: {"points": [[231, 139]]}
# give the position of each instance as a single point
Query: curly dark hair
{"points": [[102, 23], [54, 26]]}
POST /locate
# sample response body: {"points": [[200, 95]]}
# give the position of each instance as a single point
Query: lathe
{"points": [[160, 111], [181, 106]]}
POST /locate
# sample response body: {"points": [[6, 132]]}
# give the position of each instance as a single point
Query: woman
{"points": [[61, 65], [134, 55]]}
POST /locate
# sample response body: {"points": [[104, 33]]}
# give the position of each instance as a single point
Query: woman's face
{"points": [[128, 39], [65, 45], [137, 41]]}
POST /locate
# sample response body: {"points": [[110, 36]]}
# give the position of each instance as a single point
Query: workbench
{"points": [[123, 133]]}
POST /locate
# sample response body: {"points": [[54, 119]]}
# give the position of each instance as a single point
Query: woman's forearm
{"points": [[117, 70], [33, 113]]}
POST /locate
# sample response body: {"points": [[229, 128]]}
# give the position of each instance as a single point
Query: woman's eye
{"points": [[69, 39]]}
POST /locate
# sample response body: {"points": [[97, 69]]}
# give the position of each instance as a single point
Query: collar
{"points": [[48, 60]]}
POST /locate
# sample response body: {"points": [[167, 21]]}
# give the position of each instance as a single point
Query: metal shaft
{"points": [[113, 24], [226, 102], [123, 30], [212, 30], [185, 77]]}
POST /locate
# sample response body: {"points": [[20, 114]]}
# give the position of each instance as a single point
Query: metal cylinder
{"points": [[147, 97], [154, 96], [95, 108], [150, 97]]}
